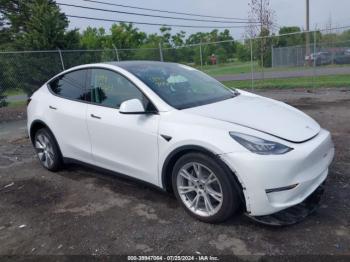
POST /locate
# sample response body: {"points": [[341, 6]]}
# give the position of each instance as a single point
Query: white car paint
{"points": [[262, 114], [133, 145], [127, 144]]}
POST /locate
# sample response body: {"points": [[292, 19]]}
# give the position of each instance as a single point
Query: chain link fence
{"points": [[336, 53], [236, 63]]}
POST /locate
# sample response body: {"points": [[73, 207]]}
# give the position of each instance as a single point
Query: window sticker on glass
{"points": [[176, 79], [159, 81], [101, 81]]}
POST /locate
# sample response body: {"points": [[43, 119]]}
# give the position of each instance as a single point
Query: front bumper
{"points": [[294, 214], [306, 166]]}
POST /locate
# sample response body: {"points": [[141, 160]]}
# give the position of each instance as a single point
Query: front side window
{"points": [[70, 85], [110, 89]]}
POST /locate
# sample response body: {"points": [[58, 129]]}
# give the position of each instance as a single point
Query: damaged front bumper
{"points": [[272, 183], [294, 214]]}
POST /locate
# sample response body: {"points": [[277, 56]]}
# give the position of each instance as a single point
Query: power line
{"points": [[158, 16], [165, 11], [146, 23]]}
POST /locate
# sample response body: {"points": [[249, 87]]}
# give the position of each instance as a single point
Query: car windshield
{"points": [[179, 85]]}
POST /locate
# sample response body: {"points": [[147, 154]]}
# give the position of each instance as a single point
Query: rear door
{"points": [[125, 143], [67, 115]]}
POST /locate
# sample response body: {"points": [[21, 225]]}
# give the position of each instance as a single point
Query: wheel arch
{"points": [[171, 159], [39, 124], [35, 126]]}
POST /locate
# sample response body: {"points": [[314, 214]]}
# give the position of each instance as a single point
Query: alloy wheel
{"points": [[44, 150], [199, 189]]}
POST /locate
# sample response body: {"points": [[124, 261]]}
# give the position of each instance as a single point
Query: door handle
{"points": [[94, 116], [53, 108]]}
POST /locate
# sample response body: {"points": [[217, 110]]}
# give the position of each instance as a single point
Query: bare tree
{"points": [[262, 18]]}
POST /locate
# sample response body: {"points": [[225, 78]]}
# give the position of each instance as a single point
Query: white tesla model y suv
{"points": [[173, 126]]}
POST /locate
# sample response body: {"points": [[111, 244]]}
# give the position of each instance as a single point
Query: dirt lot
{"points": [[12, 113], [81, 211]]}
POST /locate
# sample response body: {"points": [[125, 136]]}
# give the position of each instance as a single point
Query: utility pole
{"points": [[307, 44]]}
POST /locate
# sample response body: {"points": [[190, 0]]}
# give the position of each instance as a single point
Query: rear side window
{"points": [[71, 85], [110, 89]]}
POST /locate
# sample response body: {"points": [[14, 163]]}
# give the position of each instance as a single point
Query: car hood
{"points": [[262, 114]]}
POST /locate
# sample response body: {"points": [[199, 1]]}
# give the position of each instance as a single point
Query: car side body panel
{"points": [[127, 144]]}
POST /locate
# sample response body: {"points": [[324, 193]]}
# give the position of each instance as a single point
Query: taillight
{"points": [[28, 101]]}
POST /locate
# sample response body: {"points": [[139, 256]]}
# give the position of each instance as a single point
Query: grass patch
{"points": [[14, 92], [303, 82], [15, 104], [245, 67]]}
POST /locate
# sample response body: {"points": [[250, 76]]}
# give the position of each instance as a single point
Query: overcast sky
{"points": [[288, 12]]}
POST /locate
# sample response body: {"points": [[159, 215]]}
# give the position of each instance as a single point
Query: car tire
{"points": [[47, 150], [210, 181]]}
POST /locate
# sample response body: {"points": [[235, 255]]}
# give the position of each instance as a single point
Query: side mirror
{"points": [[132, 106]]}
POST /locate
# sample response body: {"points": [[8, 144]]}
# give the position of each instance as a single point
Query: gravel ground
{"points": [[12, 113], [81, 211]]}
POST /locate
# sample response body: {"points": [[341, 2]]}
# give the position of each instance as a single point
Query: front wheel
{"points": [[204, 188]]}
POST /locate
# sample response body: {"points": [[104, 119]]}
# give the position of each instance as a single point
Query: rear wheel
{"points": [[47, 150], [204, 188]]}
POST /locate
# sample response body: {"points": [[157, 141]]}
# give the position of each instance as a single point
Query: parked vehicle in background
{"points": [[342, 57], [319, 58], [177, 128]]}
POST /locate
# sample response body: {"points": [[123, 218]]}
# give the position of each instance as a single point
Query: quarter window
{"points": [[71, 85], [110, 89]]}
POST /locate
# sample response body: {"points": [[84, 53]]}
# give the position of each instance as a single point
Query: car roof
{"points": [[137, 62]]}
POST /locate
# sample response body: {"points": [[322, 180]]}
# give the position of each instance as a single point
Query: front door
{"points": [[124, 143]]}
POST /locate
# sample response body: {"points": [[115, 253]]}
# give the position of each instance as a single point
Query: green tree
{"points": [[15, 14], [178, 39], [227, 49], [165, 36], [262, 48], [345, 36], [243, 51], [178, 53], [223, 50], [93, 38], [290, 40], [126, 36], [149, 50], [35, 25], [169, 43], [45, 28], [5, 36]]}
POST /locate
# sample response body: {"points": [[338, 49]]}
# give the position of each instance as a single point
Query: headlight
{"points": [[259, 145]]}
